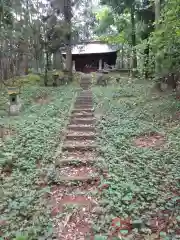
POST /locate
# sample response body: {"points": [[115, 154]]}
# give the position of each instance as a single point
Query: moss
{"points": [[76, 77], [33, 78], [59, 73], [20, 81]]}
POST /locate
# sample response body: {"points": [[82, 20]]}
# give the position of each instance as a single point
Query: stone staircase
{"points": [[75, 165]]}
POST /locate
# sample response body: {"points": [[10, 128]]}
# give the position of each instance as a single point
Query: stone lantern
{"points": [[14, 101]]}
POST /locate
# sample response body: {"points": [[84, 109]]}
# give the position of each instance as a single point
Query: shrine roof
{"points": [[93, 47]]}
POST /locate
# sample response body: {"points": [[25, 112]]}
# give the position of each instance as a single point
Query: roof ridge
{"points": [[93, 48]]}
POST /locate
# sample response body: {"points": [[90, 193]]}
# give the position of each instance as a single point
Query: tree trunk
{"points": [[157, 17], [37, 64], [26, 65], [68, 58], [128, 59], [157, 13], [68, 17], [122, 56], [133, 37], [146, 61], [57, 60], [19, 64], [46, 69]]}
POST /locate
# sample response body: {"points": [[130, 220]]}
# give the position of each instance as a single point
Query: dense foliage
{"points": [[34, 33], [165, 40], [142, 180], [146, 26], [26, 158]]}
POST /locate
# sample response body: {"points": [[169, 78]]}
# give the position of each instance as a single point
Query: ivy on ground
{"points": [[143, 182], [29, 155]]}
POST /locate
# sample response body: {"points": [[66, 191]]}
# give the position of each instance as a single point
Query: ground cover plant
{"points": [[142, 194], [26, 157]]}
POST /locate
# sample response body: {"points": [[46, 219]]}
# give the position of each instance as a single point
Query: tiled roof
{"points": [[93, 47]]}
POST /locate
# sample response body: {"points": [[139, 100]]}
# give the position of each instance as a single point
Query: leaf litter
{"points": [[150, 140]]}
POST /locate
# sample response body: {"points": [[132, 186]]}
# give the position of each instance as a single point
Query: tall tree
{"points": [[157, 6], [120, 6], [165, 40], [84, 19], [65, 8], [157, 18], [146, 17], [22, 37], [68, 18]]}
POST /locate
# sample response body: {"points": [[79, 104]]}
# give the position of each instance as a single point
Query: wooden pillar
{"points": [[74, 66], [100, 64]]}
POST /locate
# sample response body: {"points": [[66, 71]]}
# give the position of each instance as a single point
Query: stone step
{"points": [[80, 137], [89, 91], [82, 110], [81, 128], [84, 101], [78, 178], [79, 133], [81, 115], [82, 121], [85, 93], [73, 162], [86, 145], [73, 158], [86, 98], [85, 87], [82, 148], [77, 200], [76, 173], [83, 106], [86, 80]]}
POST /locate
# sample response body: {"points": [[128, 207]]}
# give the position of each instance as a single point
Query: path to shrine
{"points": [[76, 171]]}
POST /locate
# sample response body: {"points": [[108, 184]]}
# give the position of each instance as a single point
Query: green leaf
{"points": [[99, 237], [21, 237], [127, 197], [124, 232], [162, 234], [118, 224]]}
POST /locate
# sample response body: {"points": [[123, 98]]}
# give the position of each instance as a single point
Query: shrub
{"points": [[31, 78]]}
